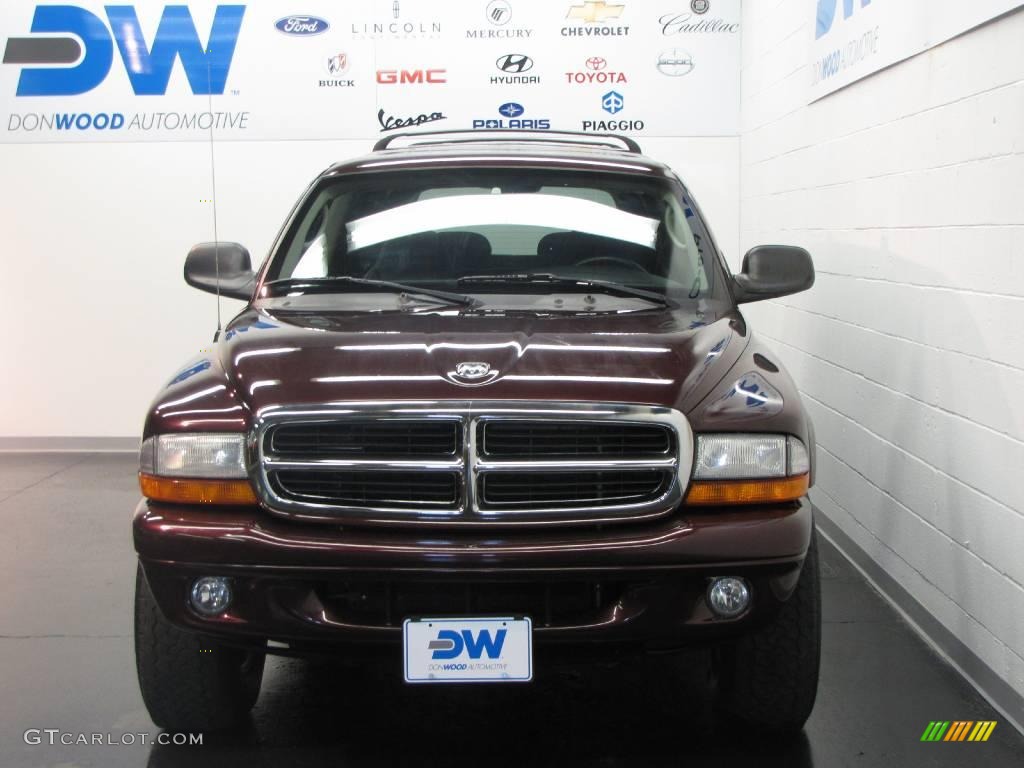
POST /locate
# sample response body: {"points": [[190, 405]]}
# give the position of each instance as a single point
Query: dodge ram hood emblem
{"points": [[472, 371]]}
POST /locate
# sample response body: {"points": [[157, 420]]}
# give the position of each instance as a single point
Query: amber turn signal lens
{"points": [[768, 491], [189, 491]]}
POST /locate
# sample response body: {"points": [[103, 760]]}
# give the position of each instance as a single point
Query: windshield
{"points": [[498, 231]]}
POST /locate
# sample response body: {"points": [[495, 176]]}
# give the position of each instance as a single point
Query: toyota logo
{"points": [[515, 63], [596, 62], [472, 370]]}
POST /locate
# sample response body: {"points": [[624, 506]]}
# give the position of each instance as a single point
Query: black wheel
{"points": [[769, 678], [188, 682]]}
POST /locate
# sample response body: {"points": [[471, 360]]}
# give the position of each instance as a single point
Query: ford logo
{"points": [[301, 25]]}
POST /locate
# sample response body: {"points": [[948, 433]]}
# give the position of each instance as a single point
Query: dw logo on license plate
{"points": [[495, 650]]}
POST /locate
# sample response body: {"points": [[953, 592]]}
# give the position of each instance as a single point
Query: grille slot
{"points": [[368, 488], [609, 439], [359, 438], [547, 603], [572, 488]]}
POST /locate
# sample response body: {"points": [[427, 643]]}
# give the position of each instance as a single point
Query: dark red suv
{"points": [[491, 393]]}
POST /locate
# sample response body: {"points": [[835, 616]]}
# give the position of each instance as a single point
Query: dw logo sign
{"points": [[827, 14], [148, 66], [451, 644]]}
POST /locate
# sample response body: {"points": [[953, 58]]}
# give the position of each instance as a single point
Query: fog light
{"points": [[728, 596], [211, 595]]}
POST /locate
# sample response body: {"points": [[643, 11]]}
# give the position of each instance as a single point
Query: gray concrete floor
{"points": [[66, 662]]}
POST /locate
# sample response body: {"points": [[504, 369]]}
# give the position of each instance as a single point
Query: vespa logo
{"points": [[475, 370], [88, 45], [515, 63], [302, 25], [826, 14], [451, 644]]}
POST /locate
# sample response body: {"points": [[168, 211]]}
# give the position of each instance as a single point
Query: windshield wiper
{"points": [[323, 284], [548, 279]]}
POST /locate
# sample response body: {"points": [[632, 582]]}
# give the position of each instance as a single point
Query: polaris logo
{"points": [[88, 45], [302, 25]]}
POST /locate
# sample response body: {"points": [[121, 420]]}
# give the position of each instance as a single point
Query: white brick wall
{"points": [[908, 189]]}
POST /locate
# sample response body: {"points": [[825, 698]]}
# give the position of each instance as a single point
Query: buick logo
{"points": [[595, 63], [472, 370], [516, 63], [675, 62], [511, 109], [337, 64], [302, 25]]}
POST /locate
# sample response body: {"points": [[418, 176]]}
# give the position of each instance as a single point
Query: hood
{"points": [[267, 359]]}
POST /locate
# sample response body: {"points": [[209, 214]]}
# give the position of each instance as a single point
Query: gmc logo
{"points": [[391, 76]]}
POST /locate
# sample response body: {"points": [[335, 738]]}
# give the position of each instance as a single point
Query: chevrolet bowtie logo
{"points": [[594, 10]]}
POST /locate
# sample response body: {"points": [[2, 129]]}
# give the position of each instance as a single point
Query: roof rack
{"points": [[578, 137]]}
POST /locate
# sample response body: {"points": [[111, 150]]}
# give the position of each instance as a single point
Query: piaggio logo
{"points": [[613, 102], [958, 730], [392, 76], [450, 644], [148, 67]]}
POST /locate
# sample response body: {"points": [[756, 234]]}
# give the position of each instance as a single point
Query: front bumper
{"points": [[309, 586]]}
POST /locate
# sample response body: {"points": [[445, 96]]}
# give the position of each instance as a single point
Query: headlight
{"points": [[748, 469], [195, 469]]}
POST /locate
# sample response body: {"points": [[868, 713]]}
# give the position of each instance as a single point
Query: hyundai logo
{"points": [[302, 25], [516, 63], [511, 109], [472, 370]]}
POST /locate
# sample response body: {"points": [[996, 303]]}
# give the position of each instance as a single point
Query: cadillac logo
{"points": [[472, 370]]}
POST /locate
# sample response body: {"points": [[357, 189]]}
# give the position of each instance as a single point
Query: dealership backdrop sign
{"points": [[853, 38], [173, 71]]}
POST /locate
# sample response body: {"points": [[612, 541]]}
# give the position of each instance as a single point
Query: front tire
{"points": [[188, 682], [769, 678]]}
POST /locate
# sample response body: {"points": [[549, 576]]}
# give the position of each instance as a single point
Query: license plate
{"points": [[484, 650]]}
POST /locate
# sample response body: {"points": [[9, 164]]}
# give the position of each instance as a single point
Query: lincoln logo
{"points": [[472, 370]]}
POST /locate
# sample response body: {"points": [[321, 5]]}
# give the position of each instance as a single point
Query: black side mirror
{"points": [[236, 276], [770, 271]]}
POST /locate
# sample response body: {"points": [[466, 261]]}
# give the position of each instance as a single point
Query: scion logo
{"points": [[686, 23], [598, 73], [511, 110], [337, 64], [613, 102], [450, 644], [675, 62], [392, 76], [148, 67], [302, 25], [392, 123], [594, 14], [513, 65]]}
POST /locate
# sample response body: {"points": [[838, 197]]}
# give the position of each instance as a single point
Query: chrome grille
{"points": [[472, 462]]}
